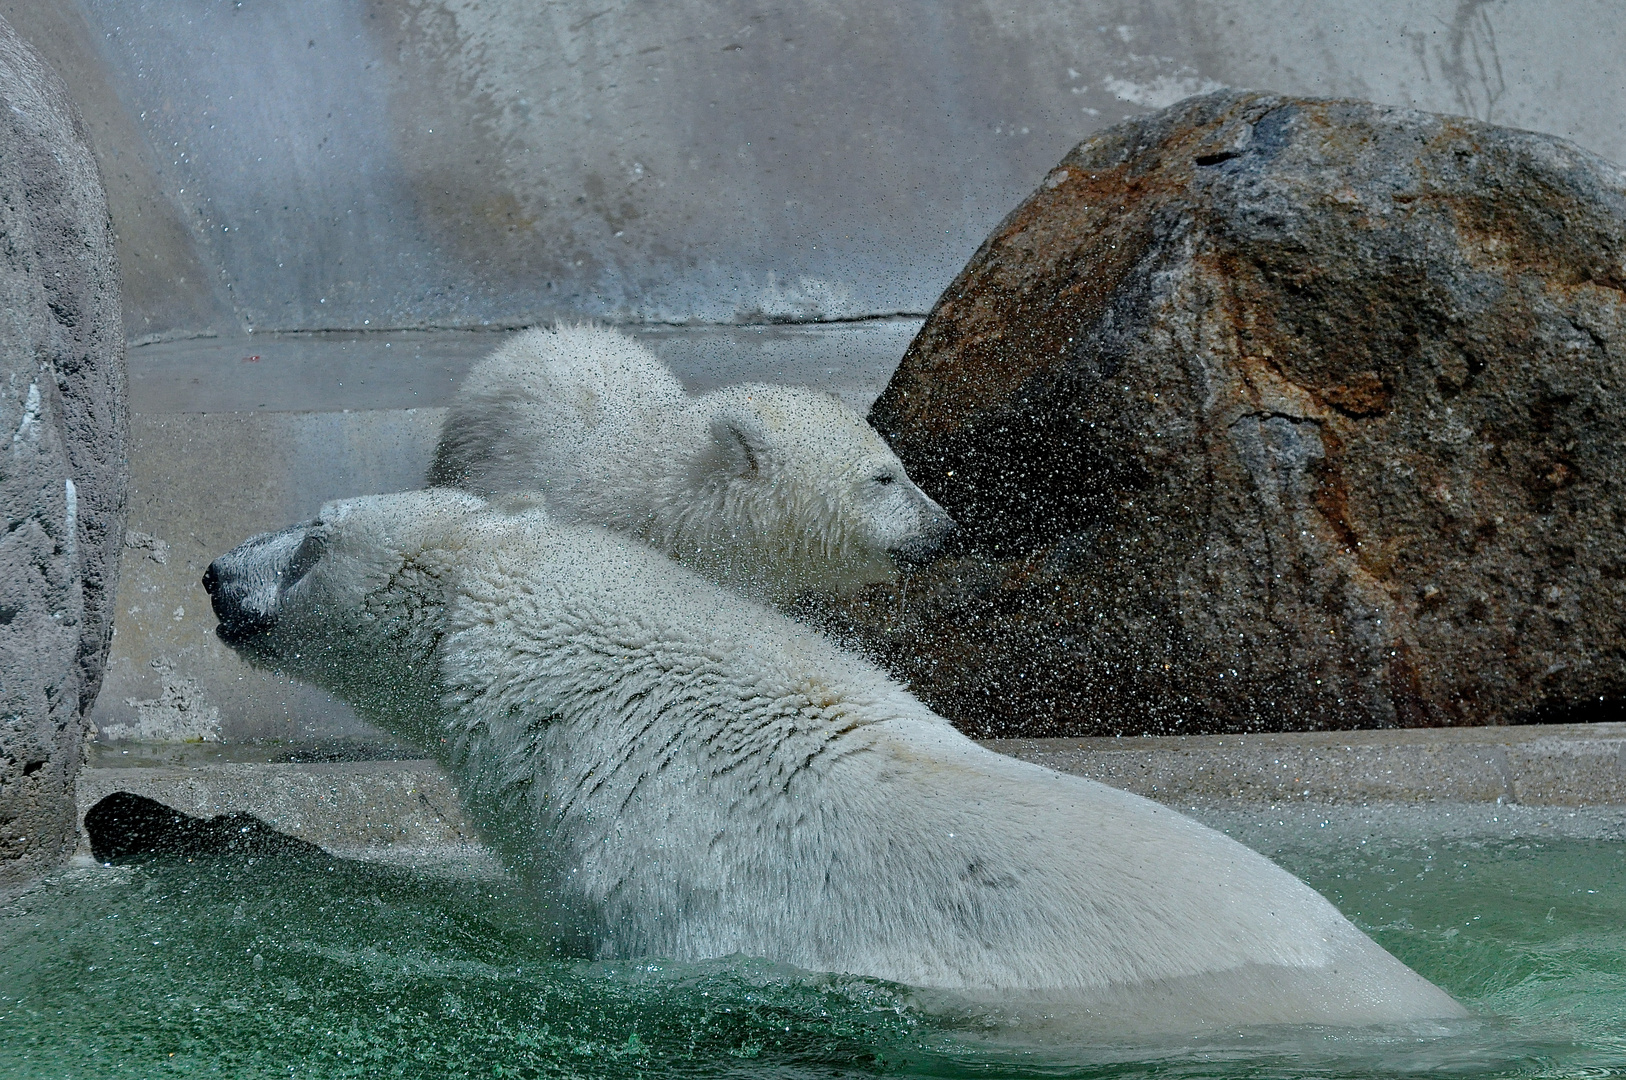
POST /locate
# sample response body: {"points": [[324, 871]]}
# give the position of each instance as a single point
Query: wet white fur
{"points": [[771, 490], [699, 776]]}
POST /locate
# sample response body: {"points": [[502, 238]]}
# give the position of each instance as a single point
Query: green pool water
{"points": [[292, 966]]}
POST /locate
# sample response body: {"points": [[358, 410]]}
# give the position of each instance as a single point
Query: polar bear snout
{"points": [[914, 527], [925, 545], [246, 584]]}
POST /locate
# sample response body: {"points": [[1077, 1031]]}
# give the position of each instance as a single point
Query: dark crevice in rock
{"points": [[1608, 711]]}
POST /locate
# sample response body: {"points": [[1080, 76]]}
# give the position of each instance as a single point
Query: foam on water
{"points": [[325, 967]]}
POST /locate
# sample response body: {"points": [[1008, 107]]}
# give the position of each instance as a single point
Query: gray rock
{"points": [[1266, 413], [62, 454]]}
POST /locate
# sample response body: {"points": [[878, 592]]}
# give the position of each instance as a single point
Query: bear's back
{"points": [[548, 404], [718, 779]]}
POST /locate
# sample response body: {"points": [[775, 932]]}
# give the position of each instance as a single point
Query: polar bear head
{"points": [[788, 491], [772, 490], [352, 601]]}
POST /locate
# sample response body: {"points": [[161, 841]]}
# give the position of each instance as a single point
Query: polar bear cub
{"points": [[693, 775], [772, 490]]}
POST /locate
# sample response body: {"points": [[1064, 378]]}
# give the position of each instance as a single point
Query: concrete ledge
{"points": [[392, 811], [1539, 765], [408, 812]]}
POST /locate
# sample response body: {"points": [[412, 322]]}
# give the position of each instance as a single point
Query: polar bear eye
{"points": [[885, 479]]}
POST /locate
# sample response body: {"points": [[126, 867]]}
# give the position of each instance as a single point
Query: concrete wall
{"points": [[309, 165], [305, 164]]}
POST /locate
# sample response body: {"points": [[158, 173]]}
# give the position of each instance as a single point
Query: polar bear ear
{"points": [[742, 442]]}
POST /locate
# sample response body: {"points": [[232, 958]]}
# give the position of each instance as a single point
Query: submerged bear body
{"points": [[689, 775]]}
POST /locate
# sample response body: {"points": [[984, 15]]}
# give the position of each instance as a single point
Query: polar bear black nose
{"points": [[924, 545], [245, 584]]}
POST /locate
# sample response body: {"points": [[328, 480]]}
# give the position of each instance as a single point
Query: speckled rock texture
{"points": [[62, 454], [1267, 413]]}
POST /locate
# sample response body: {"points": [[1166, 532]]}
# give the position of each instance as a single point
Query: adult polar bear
{"points": [[774, 491], [696, 776]]}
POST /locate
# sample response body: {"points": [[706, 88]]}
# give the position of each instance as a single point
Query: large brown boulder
{"points": [[1277, 413], [62, 453]]}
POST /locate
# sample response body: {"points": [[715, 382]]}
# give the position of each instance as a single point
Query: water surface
{"points": [[307, 966]]}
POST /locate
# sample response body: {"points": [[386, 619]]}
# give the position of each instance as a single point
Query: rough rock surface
{"points": [[62, 453], [1270, 413]]}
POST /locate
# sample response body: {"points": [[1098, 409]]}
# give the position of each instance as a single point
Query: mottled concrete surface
{"points": [[1536, 765], [348, 371], [398, 811], [63, 429], [200, 484], [309, 165], [168, 284], [407, 811]]}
